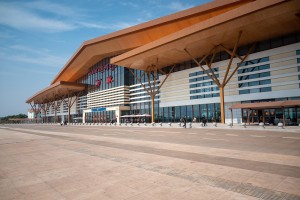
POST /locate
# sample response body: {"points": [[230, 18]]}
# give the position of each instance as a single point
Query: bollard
{"points": [[120, 124], [229, 124], [215, 124], [179, 124], [160, 124], [131, 124], [153, 124], [244, 125], [201, 124], [262, 125], [138, 124], [280, 125], [170, 124], [190, 124], [145, 124]]}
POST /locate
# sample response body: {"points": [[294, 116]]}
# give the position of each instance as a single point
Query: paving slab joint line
{"points": [[241, 188]]}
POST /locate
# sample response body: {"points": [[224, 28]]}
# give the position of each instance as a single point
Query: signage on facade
{"points": [[102, 68], [98, 83], [98, 109], [109, 79]]}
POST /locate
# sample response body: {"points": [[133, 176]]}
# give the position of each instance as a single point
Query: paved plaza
{"points": [[148, 163]]}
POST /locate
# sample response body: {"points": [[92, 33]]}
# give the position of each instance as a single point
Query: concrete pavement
{"points": [[53, 162]]}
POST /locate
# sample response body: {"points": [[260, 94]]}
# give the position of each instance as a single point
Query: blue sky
{"points": [[38, 37]]}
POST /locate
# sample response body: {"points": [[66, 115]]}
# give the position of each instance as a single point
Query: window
{"points": [[244, 92], [255, 90], [265, 89], [253, 69], [255, 83], [253, 76], [264, 82], [255, 61]]}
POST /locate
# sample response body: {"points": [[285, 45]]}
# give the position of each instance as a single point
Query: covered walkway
{"points": [[270, 112]]}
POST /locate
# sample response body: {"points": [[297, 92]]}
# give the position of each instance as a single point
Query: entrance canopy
{"points": [[265, 105], [258, 20], [143, 115], [58, 89]]}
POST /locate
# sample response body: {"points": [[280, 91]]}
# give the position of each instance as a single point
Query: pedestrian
{"points": [[184, 122], [194, 120], [204, 121]]}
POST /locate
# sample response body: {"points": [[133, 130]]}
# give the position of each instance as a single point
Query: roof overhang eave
{"points": [[138, 57], [55, 89]]}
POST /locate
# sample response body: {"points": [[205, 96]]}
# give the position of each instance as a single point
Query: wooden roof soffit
{"points": [[273, 18], [55, 92], [91, 51]]}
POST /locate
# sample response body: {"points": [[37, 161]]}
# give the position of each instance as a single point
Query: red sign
{"points": [[109, 79], [98, 83], [102, 68]]}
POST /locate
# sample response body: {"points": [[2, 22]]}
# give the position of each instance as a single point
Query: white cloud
{"points": [[54, 8], [130, 4], [178, 6], [22, 19], [93, 25], [25, 17], [24, 54]]}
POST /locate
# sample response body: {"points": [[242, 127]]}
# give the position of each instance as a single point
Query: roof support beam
{"points": [[231, 57], [212, 74], [152, 71]]}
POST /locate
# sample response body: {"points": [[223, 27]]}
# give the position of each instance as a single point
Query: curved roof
{"points": [[127, 39], [49, 93], [258, 20]]}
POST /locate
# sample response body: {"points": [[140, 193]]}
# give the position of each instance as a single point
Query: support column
{"points": [[152, 91], [283, 118], [222, 104], [227, 76], [152, 108], [231, 117]]}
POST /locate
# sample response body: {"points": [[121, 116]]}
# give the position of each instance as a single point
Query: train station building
{"points": [[206, 62]]}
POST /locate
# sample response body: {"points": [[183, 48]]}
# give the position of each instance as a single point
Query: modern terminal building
{"points": [[225, 61]]}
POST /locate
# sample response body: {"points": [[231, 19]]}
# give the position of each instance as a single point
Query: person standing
{"points": [[194, 120], [204, 121], [184, 122]]}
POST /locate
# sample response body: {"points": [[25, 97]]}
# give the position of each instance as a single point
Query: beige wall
{"points": [[285, 87], [282, 55]]}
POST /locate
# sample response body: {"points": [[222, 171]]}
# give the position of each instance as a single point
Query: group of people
{"points": [[184, 121]]}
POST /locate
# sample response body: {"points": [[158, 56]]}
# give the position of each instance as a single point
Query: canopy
{"points": [[58, 89], [143, 115], [264, 105], [258, 21], [121, 41]]}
